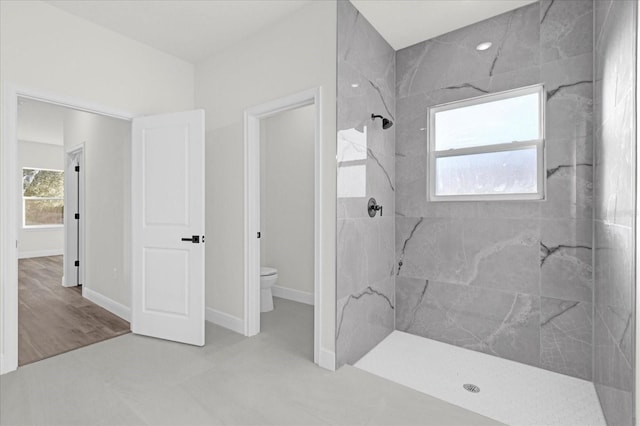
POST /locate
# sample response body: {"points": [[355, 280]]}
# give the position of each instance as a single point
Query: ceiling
{"points": [[195, 30], [407, 22]]}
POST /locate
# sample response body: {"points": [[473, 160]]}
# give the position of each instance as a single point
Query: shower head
{"points": [[386, 123]]}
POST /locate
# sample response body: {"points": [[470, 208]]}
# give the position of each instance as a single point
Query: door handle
{"points": [[195, 239]]}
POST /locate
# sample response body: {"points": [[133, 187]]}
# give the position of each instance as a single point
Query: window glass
{"points": [[43, 197], [490, 123], [43, 212], [504, 172]]}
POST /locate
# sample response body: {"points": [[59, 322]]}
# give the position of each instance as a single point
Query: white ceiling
{"points": [[195, 30], [407, 22]]}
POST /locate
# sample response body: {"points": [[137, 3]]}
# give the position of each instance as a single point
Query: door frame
{"points": [[68, 215], [252, 117], [8, 218]]}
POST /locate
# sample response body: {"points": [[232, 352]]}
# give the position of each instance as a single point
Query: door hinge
{"points": [[76, 263], [77, 168], [259, 235], [76, 216]]}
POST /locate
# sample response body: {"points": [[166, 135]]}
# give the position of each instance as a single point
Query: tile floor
{"points": [[268, 379], [510, 392]]}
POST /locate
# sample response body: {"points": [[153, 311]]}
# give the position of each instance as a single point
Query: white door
{"points": [[167, 228]]}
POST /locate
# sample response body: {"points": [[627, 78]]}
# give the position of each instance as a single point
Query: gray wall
{"points": [[365, 246], [512, 279], [614, 189], [107, 175]]}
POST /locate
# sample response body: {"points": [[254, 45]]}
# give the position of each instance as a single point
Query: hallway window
{"points": [[42, 197], [488, 148]]}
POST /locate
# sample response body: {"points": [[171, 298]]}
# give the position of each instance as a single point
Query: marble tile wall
{"points": [[366, 168], [614, 189], [512, 279]]}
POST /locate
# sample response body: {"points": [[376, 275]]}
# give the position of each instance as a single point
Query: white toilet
{"points": [[268, 278]]}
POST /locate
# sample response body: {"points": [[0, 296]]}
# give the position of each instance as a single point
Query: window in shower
{"points": [[488, 148]]}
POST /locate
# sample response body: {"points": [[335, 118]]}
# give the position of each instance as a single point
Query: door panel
{"points": [[163, 265], [167, 207], [166, 155]]}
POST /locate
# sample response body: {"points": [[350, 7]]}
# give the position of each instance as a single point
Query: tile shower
{"points": [[614, 207], [528, 281]]}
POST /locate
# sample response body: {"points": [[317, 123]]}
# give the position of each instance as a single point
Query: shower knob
{"points": [[373, 207]]}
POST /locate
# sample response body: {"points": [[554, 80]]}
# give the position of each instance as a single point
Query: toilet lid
{"points": [[265, 271]]}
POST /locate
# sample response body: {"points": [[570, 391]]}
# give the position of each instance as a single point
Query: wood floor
{"points": [[53, 319]]}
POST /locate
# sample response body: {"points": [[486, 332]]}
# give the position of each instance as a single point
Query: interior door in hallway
{"points": [[167, 227]]}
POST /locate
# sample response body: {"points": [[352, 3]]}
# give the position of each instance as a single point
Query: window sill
{"points": [[486, 198], [42, 228]]}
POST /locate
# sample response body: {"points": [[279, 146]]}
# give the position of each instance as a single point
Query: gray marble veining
{"points": [[519, 251], [565, 259], [566, 28], [366, 167], [451, 59], [519, 280], [494, 322], [565, 336], [500, 254], [614, 207], [364, 318]]}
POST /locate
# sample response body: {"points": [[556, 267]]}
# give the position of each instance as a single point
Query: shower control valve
{"points": [[373, 207]]}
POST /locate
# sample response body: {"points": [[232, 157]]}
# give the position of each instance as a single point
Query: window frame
{"points": [[538, 144], [24, 200]]}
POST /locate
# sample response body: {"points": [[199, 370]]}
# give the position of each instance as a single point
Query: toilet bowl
{"points": [[268, 278]]}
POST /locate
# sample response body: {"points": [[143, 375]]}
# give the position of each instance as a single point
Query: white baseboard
{"points": [[108, 304], [39, 253], [224, 320], [327, 360], [291, 294]]}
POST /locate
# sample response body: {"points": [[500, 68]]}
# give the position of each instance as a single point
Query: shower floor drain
{"points": [[471, 388]]}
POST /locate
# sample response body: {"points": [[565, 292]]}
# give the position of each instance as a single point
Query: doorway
{"points": [[53, 315], [74, 217], [42, 313], [254, 128]]}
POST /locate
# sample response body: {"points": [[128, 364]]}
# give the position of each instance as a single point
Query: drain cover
{"points": [[471, 388]]}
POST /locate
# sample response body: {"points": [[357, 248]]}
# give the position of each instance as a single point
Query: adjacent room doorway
{"points": [[53, 315], [252, 290]]}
